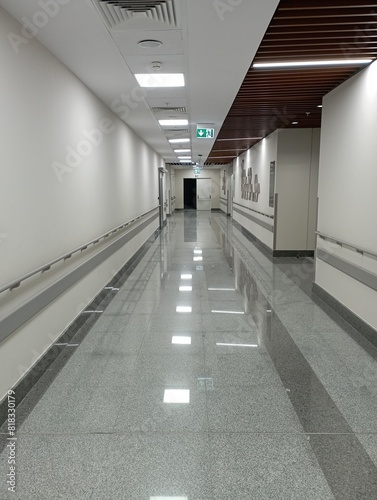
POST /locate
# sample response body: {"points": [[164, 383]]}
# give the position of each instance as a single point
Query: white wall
{"points": [[213, 174], [296, 186], [347, 188], [44, 212], [258, 158]]}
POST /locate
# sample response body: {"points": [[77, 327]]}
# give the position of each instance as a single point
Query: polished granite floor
{"points": [[212, 374]]}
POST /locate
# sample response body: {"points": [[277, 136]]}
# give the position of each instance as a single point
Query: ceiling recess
{"points": [[138, 14]]}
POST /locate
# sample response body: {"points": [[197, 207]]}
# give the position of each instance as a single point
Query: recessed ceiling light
{"points": [[185, 288], [178, 141], [185, 161], [319, 106], [150, 44], [156, 80], [184, 157], [182, 151], [173, 123], [186, 276], [298, 64], [198, 259], [294, 123]]}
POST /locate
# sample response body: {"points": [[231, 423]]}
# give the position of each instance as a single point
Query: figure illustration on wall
{"points": [[249, 191]]}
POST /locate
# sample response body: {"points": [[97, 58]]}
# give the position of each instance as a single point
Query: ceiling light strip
{"points": [[298, 64]]}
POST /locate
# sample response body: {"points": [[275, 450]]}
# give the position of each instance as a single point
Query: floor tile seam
{"points": [[185, 431], [203, 333], [110, 433]]}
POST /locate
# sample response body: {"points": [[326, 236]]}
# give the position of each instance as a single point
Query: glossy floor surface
{"points": [[212, 374]]}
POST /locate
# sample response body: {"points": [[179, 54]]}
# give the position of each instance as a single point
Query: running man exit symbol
{"points": [[205, 133]]}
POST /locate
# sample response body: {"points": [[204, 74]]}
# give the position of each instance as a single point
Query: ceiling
{"points": [[269, 99], [211, 41]]}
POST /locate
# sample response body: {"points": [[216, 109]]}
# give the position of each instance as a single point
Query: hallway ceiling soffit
{"points": [[270, 99]]}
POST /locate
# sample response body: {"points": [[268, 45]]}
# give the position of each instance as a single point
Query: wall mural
{"points": [[249, 190]]}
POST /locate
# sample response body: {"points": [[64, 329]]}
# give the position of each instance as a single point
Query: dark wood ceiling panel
{"points": [[299, 31]]}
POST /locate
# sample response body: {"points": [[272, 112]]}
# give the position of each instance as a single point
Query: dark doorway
{"points": [[189, 191]]}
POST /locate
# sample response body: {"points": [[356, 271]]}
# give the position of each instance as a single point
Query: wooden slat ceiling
{"points": [[300, 30]]}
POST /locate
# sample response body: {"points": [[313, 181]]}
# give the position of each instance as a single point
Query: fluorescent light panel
{"points": [[300, 64], [173, 123], [184, 157], [156, 80], [199, 252], [198, 259], [186, 276], [178, 141], [182, 151], [177, 396], [185, 288]]}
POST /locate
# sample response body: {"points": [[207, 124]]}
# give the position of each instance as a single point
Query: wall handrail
{"points": [[17, 282], [252, 210], [345, 243]]}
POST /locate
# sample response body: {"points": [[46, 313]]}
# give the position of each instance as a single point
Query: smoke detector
{"points": [[156, 65]]}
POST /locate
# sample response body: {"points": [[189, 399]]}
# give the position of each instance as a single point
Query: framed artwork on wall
{"points": [[272, 184]]}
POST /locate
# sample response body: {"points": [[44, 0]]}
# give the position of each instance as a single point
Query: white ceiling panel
{"points": [[213, 48]]}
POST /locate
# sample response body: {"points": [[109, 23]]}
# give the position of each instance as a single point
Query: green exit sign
{"points": [[205, 133]]}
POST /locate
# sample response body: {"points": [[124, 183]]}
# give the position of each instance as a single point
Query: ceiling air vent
{"points": [[184, 165], [169, 110], [138, 14]]}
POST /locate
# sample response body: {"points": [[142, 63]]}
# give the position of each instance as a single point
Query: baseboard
{"points": [[293, 253], [250, 236], [355, 321]]}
